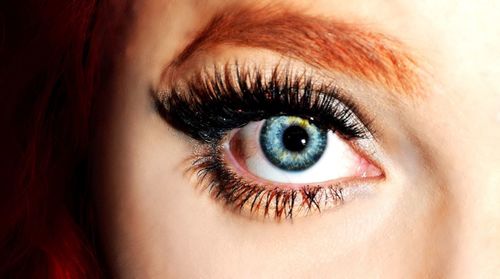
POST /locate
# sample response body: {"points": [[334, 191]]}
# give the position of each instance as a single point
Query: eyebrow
{"points": [[320, 42]]}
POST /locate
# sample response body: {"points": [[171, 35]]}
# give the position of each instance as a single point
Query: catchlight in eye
{"points": [[292, 143], [292, 150]]}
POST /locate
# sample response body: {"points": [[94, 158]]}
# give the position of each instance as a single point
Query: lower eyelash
{"points": [[256, 200]]}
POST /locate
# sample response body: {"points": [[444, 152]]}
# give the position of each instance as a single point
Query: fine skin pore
{"points": [[435, 214]]}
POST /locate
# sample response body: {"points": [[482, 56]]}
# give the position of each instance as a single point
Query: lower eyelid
{"points": [[257, 199], [236, 166]]}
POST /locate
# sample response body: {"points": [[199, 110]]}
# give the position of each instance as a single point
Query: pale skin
{"points": [[436, 214]]}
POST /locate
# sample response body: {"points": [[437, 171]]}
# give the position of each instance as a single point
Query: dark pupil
{"points": [[295, 138]]}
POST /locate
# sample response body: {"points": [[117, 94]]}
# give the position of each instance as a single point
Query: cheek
{"points": [[141, 193], [149, 210]]}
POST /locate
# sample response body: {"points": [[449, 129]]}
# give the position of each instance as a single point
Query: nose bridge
{"points": [[476, 206]]}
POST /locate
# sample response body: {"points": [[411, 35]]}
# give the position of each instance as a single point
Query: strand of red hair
{"points": [[55, 59]]}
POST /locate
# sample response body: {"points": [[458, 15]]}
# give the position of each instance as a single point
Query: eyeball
{"points": [[293, 151]]}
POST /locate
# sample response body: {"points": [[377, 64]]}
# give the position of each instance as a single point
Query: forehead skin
{"points": [[438, 214]]}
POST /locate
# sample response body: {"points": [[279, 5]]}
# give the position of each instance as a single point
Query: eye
{"points": [[274, 146], [293, 151]]}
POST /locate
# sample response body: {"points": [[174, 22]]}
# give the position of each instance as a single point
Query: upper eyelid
{"points": [[214, 87]]}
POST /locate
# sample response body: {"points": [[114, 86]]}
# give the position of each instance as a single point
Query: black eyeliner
{"points": [[208, 106]]}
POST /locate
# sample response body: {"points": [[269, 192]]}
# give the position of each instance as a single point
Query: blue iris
{"points": [[292, 143]]}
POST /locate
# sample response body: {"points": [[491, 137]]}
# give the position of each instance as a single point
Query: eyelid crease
{"points": [[323, 43]]}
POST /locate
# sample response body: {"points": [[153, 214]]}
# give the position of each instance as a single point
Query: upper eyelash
{"points": [[227, 100]]}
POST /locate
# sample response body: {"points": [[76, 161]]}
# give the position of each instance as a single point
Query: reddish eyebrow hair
{"points": [[320, 42]]}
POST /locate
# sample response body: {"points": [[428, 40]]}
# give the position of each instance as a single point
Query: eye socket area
{"points": [[291, 152]]}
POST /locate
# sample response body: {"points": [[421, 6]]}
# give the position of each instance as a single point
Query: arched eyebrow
{"points": [[320, 42]]}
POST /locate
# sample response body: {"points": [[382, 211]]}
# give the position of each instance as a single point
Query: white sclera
{"points": [[338, 161]]}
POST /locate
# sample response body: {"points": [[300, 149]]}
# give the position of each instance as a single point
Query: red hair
{"points": [[55, 56]]}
